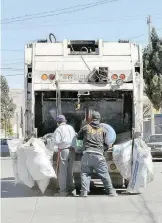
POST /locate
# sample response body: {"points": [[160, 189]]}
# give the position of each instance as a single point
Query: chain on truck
{"points": [[73, 77]]}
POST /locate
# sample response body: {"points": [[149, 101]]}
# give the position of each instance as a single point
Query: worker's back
{"points": [[67, 134], [94, 138]]}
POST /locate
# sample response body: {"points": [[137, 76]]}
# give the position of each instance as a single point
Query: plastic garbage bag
{"points": [[122, 157], [31, 162], [23, 172], [111, 136], [15, 171], [43, 184], [50, 145], [48, 138], [38, 162], [142, 169], [20, 170], [13, 147]]}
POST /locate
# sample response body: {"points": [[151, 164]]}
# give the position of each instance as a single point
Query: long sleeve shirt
{"points": [[93, 137], [63, 136]]}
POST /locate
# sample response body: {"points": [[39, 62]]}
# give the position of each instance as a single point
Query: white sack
{"points": [[50, 145], [13, 146], [111, 134], [15, 171], [43, 184], [37, 160], [142, 169], [122, 157], [23, 173], [31, 162]]}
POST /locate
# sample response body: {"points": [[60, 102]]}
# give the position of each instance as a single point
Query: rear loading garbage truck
{"points": [[74, 77]]}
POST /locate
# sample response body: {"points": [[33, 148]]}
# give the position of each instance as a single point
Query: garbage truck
{"points": [[74, 77]]}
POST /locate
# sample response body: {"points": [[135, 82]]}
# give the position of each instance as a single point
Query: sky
{"points": [[120, 19]]}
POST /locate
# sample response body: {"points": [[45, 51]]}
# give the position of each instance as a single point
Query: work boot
{"points": [[84, 194], [70, 194], [112, 193]]}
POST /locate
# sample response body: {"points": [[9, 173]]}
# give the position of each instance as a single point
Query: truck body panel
{"points": [[105, 76]]}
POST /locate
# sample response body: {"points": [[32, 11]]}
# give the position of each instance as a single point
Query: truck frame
{"points": [[74, 77]]}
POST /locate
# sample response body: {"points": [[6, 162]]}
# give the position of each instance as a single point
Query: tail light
{"points": [[44, 77], [52, 77], [114, 77], [122, 76]]}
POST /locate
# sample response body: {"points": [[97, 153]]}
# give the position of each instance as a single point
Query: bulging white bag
{"points": [[31, 162], [142, 169], [38, 163], [23, 172], [122, 157], [51, 147], [13, 146], [43, 184], [15, 171], [111, 134]]}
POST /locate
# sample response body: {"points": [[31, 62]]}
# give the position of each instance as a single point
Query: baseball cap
{"points": [[96, 115], [61, 118]]}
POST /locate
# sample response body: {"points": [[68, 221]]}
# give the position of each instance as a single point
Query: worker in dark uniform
{"points": [[94, 140]]}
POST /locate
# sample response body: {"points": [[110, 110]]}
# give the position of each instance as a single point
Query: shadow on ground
{"points": [[101, 191], [10, 190]]}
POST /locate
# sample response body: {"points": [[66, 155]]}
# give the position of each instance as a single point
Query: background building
{"points": [[152, 120], [18, 99]]}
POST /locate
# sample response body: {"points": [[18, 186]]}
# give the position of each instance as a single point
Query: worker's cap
{"points": [[96, 115], [61, 118]]}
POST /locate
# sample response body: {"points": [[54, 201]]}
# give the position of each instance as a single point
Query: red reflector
{"points": [[114, 77], [122, 76], [52, 77]]}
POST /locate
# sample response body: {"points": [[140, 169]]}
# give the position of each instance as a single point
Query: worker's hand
{"points": [[110, 147]]}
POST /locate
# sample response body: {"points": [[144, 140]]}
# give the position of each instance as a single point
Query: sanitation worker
{"points": [[63, 137], [94, 140]]}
